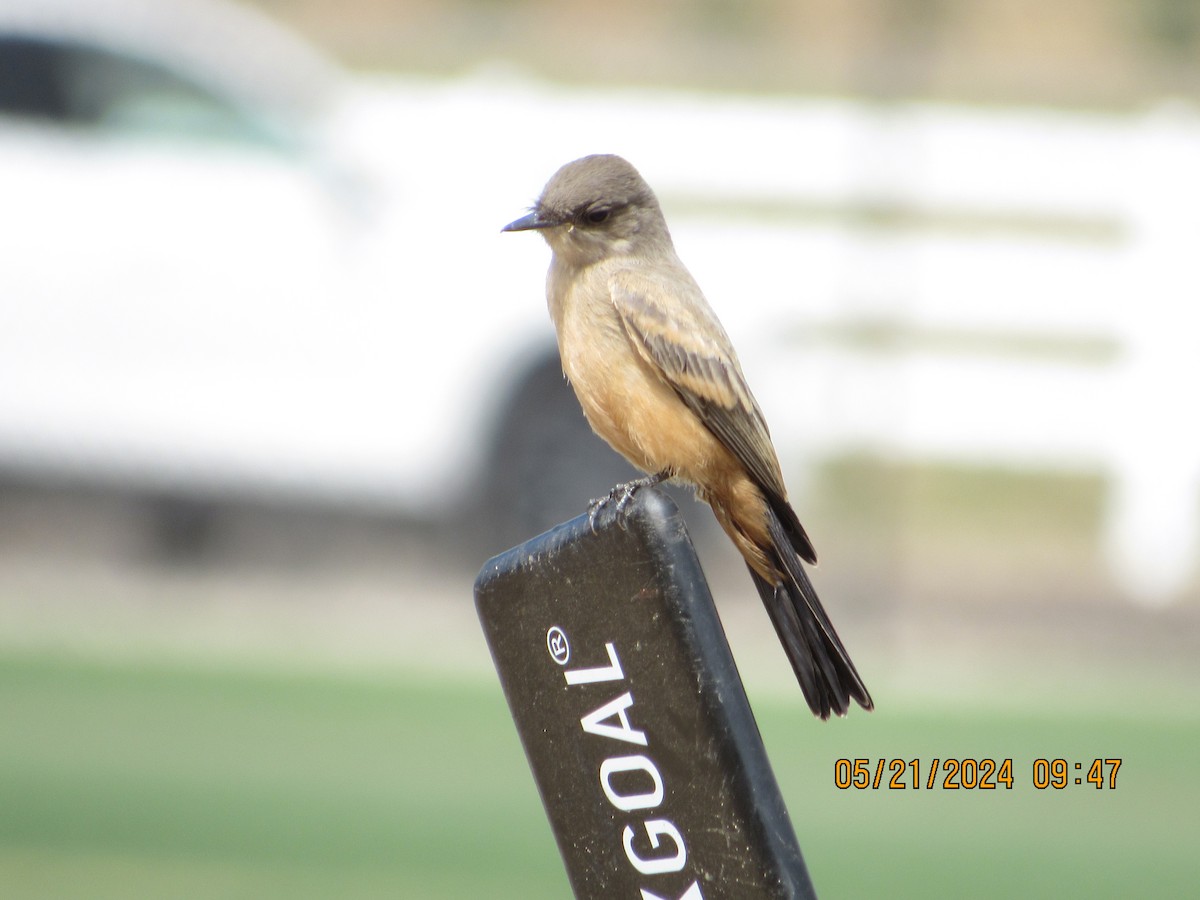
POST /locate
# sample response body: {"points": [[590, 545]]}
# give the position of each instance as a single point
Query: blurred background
{"points": [[273, 386]]}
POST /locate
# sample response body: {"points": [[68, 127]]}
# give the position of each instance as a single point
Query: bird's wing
{"points": [[673, 328]]}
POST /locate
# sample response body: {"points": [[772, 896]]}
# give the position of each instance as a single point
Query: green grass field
{"points": [[124, 780]]}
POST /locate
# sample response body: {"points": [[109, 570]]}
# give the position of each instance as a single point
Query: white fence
{"points": [[1032, 273], [1032, 287]]}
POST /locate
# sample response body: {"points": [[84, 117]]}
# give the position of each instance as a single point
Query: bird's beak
{"points": [[528, 223]]}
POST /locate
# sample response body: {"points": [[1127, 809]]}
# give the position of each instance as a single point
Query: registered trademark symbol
{"points": [[556, 643]]}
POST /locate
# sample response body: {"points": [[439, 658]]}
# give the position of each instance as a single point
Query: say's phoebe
{"points": [[659, 380]]}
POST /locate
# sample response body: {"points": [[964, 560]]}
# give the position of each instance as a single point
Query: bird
{"points": [[658, 379]]}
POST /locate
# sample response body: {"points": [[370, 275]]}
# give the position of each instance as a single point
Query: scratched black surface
{"points": [[635, 582]]}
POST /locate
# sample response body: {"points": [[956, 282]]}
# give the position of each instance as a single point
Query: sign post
{"points": [[632, 714]]}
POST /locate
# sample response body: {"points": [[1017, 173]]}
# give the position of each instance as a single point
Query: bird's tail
{"points": [[822, 665]]}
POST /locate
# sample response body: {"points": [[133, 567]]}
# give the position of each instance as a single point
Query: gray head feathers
{"points": [[596, 207], [592, 185]]}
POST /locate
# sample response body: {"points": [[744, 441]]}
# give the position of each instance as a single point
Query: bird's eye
{"points": [[597, 216]]}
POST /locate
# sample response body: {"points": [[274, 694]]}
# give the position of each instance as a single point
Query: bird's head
{"points": [[594, 208]]}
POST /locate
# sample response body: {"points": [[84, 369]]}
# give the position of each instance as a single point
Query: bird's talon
{"points": [[622, 493], [594, 509]]}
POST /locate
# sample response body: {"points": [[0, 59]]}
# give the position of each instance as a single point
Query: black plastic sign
{"points": [[632, 713]]}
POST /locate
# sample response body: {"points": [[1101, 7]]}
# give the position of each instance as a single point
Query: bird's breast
{"points": [[623, 397]]}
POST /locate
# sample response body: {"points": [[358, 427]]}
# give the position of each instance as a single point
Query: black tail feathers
{"points": [[822, 666]]}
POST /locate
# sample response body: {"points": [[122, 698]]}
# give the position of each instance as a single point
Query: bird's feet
{"points": [[622, 494]]}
